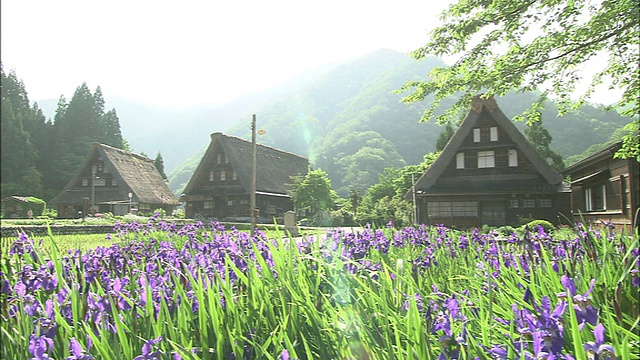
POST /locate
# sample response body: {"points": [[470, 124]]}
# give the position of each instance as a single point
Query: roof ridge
{"points": [[260, 145], [122, 151]]}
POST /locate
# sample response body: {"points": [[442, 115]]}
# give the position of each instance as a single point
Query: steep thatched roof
{"points": [[274, 168], [490, 107], [135, 173]]}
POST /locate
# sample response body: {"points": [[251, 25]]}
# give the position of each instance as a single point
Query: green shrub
{"points": [[506, 230], [50, 213], [36, 205], [163, 212], [178, 213], [533, 226]]}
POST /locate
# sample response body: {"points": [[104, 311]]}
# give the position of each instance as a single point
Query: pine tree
{"points": [[540, 138], [159, 164], [79, 123], [444, 136], [18, 172], [112, 135]]}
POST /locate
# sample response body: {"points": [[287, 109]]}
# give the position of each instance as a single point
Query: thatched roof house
{"points": [[489, 173], [220, 186], [114, 180]]}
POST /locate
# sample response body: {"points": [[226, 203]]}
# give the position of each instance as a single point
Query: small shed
{"points": [[14, 207]]}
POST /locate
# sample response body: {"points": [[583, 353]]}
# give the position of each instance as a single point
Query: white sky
{"points": [[182, 53]]}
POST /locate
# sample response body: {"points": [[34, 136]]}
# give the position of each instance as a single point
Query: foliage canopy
{"points": [[313, 191], [533, 45]]}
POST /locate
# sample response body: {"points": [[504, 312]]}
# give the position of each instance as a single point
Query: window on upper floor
{"points": [[486, 159], [493, 133], [513, 157], [97, 168], [460, 160], [234, 175], [476, 135], [223, 176], [211, 176]]}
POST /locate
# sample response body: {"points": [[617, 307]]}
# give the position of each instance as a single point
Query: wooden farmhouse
{"points": [[489, 174], [116, 181], [221, 184], [605, 189]]}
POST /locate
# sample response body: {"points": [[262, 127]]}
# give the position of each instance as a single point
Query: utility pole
{"points": [[415, 208], [93, 192], [253, 177]]}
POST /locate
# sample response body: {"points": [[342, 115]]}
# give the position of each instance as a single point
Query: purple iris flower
{"points": [[77, 353], [284, 355], [5, 286], [544, 327], [498, 352], [599, 348], [585, 312], [635, 273], [147, 350], [40, 347]]}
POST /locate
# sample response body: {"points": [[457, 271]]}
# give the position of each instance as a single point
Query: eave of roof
{"points": [[605, 153]]}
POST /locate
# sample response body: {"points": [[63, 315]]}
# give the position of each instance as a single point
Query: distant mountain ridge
{"points": [[178, 133]]}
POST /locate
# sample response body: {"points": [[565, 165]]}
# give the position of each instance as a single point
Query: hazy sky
{"points": [[183, 53]]}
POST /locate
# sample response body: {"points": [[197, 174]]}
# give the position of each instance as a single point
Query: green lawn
{"points": [[82, 242]]}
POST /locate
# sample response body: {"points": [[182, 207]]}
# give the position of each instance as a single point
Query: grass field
{"points": [[82, 242]]}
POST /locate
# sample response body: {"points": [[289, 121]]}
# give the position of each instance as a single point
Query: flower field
{"points": [[200, 291]]}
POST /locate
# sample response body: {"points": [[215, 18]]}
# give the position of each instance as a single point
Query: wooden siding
{"points": [[558, 213], [613, 184]]}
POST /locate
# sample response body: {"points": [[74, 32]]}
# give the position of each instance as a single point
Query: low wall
{"points": [[40, 230]]}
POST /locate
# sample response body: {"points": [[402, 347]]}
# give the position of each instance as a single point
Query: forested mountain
{"points": [[351, 123]]}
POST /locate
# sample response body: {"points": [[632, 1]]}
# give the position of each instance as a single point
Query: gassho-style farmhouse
{"points": [[220, 186]]}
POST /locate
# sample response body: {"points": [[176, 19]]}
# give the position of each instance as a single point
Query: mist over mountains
{"points": [[347, 118]]}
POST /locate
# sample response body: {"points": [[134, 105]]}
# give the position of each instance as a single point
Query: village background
{"points": [[347, 119]]}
